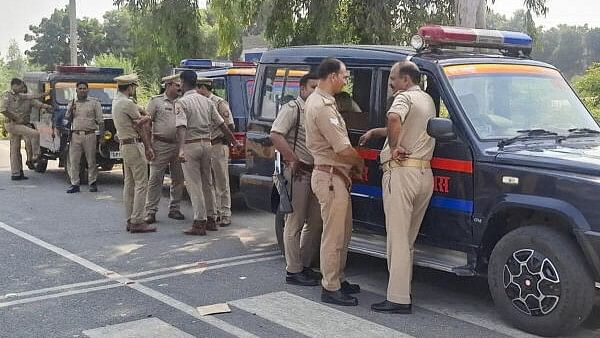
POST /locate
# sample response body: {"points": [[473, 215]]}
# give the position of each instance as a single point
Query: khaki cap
{"points": [[127, 79], [171, 78], [204, 81]]}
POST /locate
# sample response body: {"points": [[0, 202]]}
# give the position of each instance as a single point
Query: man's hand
{"points": [[181, 156], [400, 154], [362, 141], [357, 170], [149, 153]]}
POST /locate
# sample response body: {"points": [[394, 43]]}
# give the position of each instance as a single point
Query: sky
{"points": [[17, 16]]}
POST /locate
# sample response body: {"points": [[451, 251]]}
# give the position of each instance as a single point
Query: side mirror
{"points": [[441, 129]]}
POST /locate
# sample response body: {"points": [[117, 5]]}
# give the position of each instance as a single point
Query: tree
{"points": [[167, 31], [117, 30], [588, 87], [16, 65]]}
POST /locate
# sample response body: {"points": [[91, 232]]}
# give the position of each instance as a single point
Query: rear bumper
{"points": [[258, 192]]}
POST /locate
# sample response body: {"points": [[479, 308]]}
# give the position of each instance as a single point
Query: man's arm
{"points": [[181, 142], [372, 133], [181, 124], [229, 135], [395, 120], [283, 147]]}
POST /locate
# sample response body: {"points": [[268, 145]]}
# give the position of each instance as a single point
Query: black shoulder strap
{"points": [[297, 124]]}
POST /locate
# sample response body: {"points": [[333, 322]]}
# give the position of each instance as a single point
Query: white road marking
{"points": [[272, 254], [57, 295], [223, 325], [149, 327], [192, 265], [312, 319]]}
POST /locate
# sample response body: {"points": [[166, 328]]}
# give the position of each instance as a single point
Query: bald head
{"points": [[404, 74]]}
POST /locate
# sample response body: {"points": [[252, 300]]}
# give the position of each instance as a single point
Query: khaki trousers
{"points": [[196, 170], [336, 212], [166, 155], [219, 155], [303, 227], [79, 145], [406, 195], [136, 181], [18, 132]]}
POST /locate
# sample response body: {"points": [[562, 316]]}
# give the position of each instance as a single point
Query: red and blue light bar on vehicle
{"points": [[207, 64], [439, 36], [90, 70]]}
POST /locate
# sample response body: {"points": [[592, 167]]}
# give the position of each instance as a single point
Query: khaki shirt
{"points": [[124, 112], [285, 124], [224, 111], [198, 114], [326, 132], [87, 115], [415, 108], [162, 111], [19, 104]]}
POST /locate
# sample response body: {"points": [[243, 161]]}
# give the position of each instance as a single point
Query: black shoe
{"points": [[349, 289], [391, 307], [93, 187], [176, 214], [300, 279], [338, 298], [19, 178], [30, 165], [310, 273], [73, 189]]}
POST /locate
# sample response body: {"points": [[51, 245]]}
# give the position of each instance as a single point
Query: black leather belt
{"points": [[219, 140], [164, 139]]}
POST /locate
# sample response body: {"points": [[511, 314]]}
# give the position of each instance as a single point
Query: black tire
{"points": [[552, 262], [279, 224], [41, 165], [107, 166]]}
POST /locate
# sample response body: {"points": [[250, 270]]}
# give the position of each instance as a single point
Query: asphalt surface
{"points": [[68, 268]]}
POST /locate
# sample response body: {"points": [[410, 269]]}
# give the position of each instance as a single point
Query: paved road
{"points": [[69, 269]]}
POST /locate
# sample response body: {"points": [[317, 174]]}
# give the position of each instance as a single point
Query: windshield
{"points": [[64, 92], [501, 99]]}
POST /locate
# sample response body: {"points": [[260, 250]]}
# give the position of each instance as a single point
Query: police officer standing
{"points": [[195, 116], [17, 127], [219, 154], [407, 179], [85, 115], [131, 126], [302, 230], [335, 162], [161, 109]]}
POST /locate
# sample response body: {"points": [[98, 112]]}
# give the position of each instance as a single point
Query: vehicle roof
{"points": [[227, 71], [383, 55]]}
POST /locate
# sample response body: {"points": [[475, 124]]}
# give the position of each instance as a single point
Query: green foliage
{"points": [[588, 87], [51, 38], [111, 60]]}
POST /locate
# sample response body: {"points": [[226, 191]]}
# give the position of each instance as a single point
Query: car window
{"points": [[219, 85], [354, 101], [281, 84], [429, 85], [500, 100]]}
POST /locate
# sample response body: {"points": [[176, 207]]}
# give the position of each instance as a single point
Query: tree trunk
{"points": [[470, 13]]}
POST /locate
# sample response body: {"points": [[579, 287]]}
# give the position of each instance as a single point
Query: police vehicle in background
{"points": [[233, 81], [516, 166], [54, 133]]}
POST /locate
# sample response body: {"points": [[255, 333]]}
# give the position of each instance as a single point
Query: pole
{"points": [[73, 32]]}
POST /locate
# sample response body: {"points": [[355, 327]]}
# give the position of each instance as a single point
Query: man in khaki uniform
{"points": [[219, 154], [303, 227], [131, 126], [17, 128], [407, 180], [26, 102], [195, 116], [335, 162], [86, 116], [161, 109]]}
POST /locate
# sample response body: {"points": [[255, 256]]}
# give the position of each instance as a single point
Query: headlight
{"points": [[107, 135]]}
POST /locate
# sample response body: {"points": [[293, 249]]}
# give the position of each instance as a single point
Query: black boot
{"points": [[93, 187], [349, 289], [300, 279], [312, 273], [391, 307], [338, 298], [73, 189]]}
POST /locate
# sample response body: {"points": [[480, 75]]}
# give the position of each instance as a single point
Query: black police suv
{"points": [[516, 166]]}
